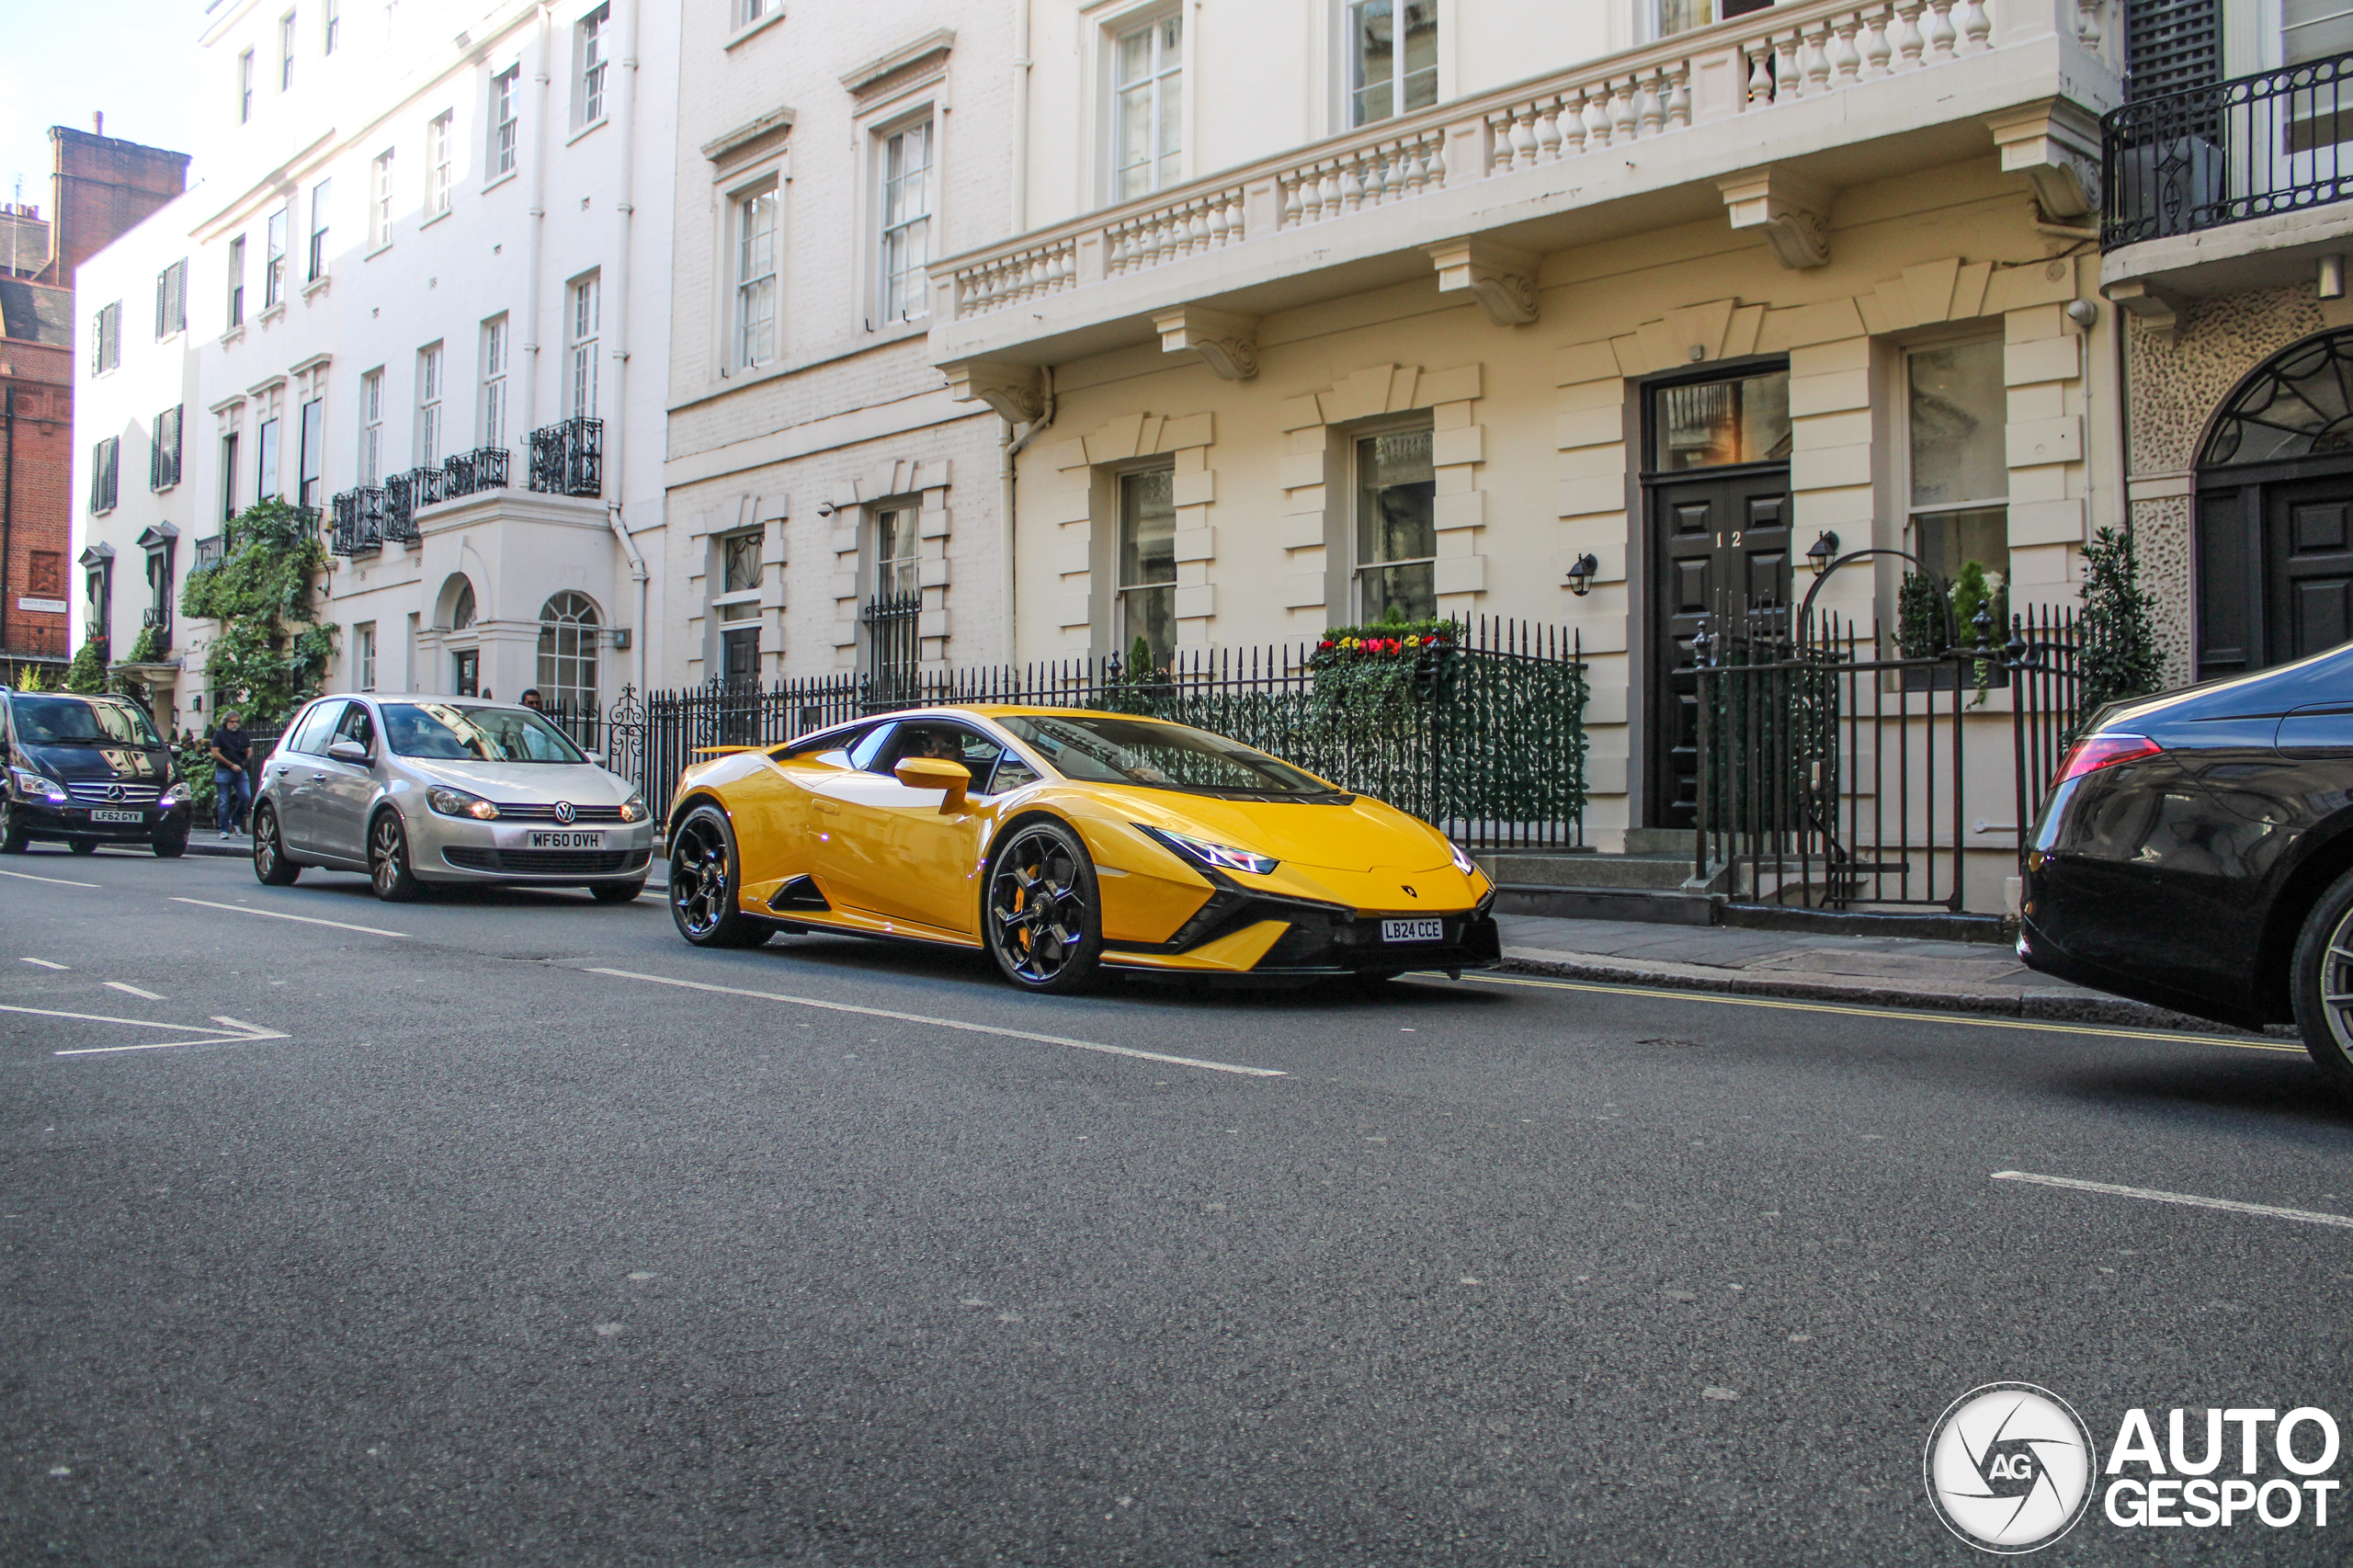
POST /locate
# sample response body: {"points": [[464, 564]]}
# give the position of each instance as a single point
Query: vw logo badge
{"points": [[564, 812], [114, 792]]}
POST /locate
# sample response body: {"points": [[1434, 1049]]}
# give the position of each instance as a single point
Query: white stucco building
{"points": [[415, 279]]}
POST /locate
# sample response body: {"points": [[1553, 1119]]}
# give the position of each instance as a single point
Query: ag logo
{"points": [[2009, 1468], [564, 812]]}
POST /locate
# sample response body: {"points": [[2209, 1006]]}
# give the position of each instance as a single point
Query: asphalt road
{"points": [[434, 1243]]}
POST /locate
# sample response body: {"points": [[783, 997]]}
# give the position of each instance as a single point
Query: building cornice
{"points": [[938, 41]]}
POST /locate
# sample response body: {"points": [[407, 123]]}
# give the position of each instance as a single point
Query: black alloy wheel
{"points": [[388, 867], [2320, 978], [12, 828], [705, 881], [270, 864], [1041, 915]]}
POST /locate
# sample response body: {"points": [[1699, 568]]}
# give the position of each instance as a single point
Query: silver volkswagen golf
{"points": [[413, 790]]}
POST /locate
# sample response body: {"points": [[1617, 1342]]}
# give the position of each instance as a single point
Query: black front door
{"points": [[2308, 563], [1721, 549]]}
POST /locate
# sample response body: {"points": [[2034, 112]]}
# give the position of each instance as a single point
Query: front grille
{"points": [[94, 791], [548, 862], [547, 814]]}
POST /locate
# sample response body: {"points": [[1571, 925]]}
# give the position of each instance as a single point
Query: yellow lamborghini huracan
{"points": [[1067, 842]]}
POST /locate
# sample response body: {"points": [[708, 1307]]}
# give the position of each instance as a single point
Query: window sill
{"points": [[234, 336], [501, 179], [897, 331], [378, 251], [751, 28], [317, 286], [592, 125], [274, 313], [439, 217]]}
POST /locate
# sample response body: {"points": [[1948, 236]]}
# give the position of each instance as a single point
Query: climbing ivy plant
{"points": [[271, 652], [2120, 657]]}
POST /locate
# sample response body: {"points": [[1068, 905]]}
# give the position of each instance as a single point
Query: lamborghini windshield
{"points": [[1104, 748]]}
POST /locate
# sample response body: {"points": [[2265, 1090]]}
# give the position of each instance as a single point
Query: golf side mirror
{"points": [[937, 773], [351, 752]]}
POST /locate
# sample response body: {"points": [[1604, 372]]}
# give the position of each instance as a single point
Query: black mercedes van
{"points": [[84, 771]]}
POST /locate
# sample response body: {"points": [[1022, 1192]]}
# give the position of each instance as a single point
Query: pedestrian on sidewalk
{"points": [[232, 788], [530, 699]]}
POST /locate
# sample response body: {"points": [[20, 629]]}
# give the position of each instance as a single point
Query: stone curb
{"points": [[2072, 1007]]}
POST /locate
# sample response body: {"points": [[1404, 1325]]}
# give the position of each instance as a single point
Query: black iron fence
{"points": [[2274, 141], [1484, 737], [893, 647], [568, 457], [1838, 770]]}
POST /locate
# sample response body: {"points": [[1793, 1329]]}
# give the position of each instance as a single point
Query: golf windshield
{"points": [[446, 730], [1107, 749], [83, 721]]}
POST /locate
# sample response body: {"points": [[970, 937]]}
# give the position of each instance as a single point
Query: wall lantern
{"points": [[1581, 573], [1821, 552]]}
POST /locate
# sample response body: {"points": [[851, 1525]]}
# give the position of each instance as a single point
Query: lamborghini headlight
{"points": [[1463, 861], [1223, 856]]}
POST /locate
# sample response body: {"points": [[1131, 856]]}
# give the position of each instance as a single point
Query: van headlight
{"points": [[458, 803], [177, 795], [634, 809], [37, 786]]}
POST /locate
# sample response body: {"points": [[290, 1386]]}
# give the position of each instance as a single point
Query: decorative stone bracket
{"points": [[2055, 143], [2156, 308], [1793, 211], [1502, 279], [1014, 391], [1227, 344]]}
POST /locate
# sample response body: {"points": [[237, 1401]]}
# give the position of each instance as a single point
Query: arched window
{"points": [[568, 656], [2298, 405], [462, 614]]}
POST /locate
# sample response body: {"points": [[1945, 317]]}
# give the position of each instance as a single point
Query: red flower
{"points": [[1326, 643]]}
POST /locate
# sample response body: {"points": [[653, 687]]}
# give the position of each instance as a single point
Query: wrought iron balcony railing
{"points": [[209, 552], [470, 473], [358, 523], [568, 459], [399, 524], [2252, 147]]}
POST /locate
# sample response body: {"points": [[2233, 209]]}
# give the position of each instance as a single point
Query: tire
{"points": [[2321, 982], [83, 846], [1040, 912], [388, 867], [170, 847], [616, 892], [705, 884], [271, 865], [12, 829]]}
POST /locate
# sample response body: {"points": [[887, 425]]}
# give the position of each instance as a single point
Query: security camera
{"points": [[824, 508]]}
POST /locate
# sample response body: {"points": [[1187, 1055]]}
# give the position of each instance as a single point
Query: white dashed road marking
{"points": [[57, 882], [305, 919], [2308, 1216], [45, 964], [954, 1024], [134, 990], [237, 1032]]}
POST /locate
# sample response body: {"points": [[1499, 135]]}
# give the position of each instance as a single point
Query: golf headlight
{"points": [[1463, 861], [177, 795], [39, 787], [634, 809], [1223, 856], [458, 803]]}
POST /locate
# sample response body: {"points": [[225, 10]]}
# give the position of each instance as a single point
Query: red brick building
{"points": [[99, 189]]}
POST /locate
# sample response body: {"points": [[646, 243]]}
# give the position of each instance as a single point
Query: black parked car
{"points": [[2198, 853], [84, 771]]}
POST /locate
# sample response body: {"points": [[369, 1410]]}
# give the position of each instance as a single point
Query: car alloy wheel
{"points": [[270, 864], [703, 884], [12, 828], [1040, 920], [388, 866]]}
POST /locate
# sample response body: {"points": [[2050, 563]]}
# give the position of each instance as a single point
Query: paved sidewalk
{"points": [[206, 839], [1897, 972]]}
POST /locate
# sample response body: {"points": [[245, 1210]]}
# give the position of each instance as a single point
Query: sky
{"points": [[135, 61]]}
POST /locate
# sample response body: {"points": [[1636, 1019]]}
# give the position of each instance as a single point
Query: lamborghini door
{"points": [[889, 850]]}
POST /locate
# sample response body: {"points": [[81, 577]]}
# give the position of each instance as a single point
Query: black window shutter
{"points": [[178, 413], [2173, 45], [155, 455]]}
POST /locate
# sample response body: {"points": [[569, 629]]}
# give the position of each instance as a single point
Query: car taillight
{"points": [[2095, 752]]}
